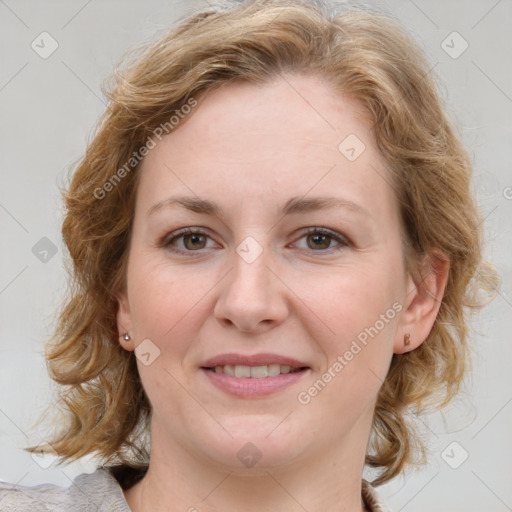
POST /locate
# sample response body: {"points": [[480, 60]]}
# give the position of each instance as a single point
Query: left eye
{"points": [[321, 239]]}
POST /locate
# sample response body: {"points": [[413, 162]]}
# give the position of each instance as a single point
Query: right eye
{"points": [[192, 240]]}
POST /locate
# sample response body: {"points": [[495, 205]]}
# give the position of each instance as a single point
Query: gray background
{"points": [[48, 108]]}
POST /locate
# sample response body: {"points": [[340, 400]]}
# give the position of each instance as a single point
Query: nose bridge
{"points": [[252, 297], [251, 263]]}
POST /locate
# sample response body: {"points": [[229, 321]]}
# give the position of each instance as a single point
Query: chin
{"points": [[257, 443]]}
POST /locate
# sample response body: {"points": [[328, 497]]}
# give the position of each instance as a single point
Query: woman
{"points": [[273, 241]]}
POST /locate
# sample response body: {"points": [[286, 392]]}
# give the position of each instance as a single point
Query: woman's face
{"points": [[297, 263]]}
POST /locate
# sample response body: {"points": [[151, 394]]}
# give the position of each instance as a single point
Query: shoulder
{"points": [[94, 492], [373, 502]]}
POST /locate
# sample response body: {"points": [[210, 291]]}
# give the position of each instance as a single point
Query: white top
{"points": [[97, 492]]}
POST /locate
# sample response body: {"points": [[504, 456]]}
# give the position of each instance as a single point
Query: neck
{"points": [[176, 481]]}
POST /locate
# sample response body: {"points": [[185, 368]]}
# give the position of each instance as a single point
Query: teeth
{"points": [[255, 372], [228, 369], [273, 370], [259, 372], [242, 371]]}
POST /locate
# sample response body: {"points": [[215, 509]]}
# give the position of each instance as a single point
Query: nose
{"points": [[253, 297]]}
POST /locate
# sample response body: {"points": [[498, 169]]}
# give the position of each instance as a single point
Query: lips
{"points": [[253, 376], [253, 360]]}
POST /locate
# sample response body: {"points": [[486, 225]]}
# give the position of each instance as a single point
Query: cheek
{"points": [[167, 302], [166, 306], [361, 309], [353, 299]]}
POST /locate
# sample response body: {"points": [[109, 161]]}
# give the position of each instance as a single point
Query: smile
{"points": [[253, 376], [254, 372]]}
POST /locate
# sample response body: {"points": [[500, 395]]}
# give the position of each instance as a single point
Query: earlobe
{"points": [[124, 323], [423, 303], [127, 342]]}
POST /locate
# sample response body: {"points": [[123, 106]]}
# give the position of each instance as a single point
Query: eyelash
{"points": [[342, 241]]}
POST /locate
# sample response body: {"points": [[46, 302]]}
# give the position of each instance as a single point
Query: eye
{"points": [[192, 240], [320, 240]]}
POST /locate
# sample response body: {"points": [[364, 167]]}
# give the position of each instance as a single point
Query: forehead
{"points": [[282, 113], [244, 142]]}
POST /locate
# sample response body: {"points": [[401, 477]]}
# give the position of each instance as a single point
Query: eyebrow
{"points": [[295, 205]]}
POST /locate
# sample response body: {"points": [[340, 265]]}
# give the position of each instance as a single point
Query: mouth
{"points": [[255, 372], [253, 376]]}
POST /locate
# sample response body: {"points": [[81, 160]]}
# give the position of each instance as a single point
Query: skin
{"points": [[250, 148]]}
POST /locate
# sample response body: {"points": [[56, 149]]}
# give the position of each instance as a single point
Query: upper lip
{"points": [[252, 360]]}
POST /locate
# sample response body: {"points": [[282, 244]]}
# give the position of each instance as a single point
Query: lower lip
{"points": [[251, 387]]}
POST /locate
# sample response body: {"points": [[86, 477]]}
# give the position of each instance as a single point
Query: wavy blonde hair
{"points": [[363, 54]]}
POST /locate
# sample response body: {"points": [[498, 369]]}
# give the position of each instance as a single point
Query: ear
{"points": [[124, 321], [424, 297]]}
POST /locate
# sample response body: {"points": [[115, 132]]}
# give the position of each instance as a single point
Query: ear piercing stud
{"points": [[407, 339], [126, 337]]}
